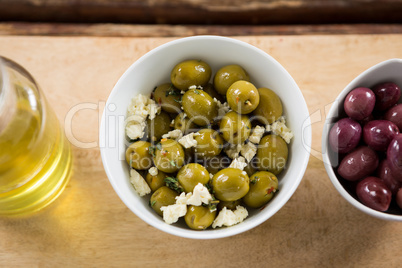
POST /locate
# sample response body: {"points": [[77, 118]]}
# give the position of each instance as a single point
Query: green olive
{"points": [[169, 156], [183, 122], [190, 73], [156, 182], [138, 156], [217, 163], [168, 97], [272, 154], [162, 197], [199, 217], [235, 128], [192, 174], [209, 143], [199, 107], [270, 107], [227, 75], [209, 88], [230, 184], [243, 97], [263, 186], [229, 204], [158, 126]]}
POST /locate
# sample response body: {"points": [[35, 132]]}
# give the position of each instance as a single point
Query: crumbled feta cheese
{"points": [[233, 150], [195, 87], [279, 128], [223, 108], [211, 175], [172, 123], [200, 195], [153, 171], [182, 91], [248, 150], [226, 217], [140, 185], [174, 134], [257, 134], [172, 213], [188, 140], [135, 126], [182, 198], [239, 163]]}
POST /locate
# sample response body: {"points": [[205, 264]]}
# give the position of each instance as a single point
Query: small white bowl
{"points": [[390, 70], [153, 69]]}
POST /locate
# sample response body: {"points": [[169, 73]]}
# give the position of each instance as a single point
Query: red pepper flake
{"points": [[270, 190], [163, 139], [159, 101], [164, 153], [237, 99]]}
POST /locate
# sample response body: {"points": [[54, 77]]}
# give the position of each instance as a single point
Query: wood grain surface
{"points": [[204, 11], [88, 226]]}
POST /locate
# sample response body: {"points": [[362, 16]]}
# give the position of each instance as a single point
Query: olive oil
{"points": [[35, 158]]}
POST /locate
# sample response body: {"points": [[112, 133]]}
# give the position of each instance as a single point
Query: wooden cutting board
{"points": [[88, 226]]}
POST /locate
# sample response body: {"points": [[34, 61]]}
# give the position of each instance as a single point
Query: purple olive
{"points": [[394, 114], [398, 198], [359, 103], [386, 95], [394, 156], [358, 164], [373, 193], [379, 133], [384, 173], [344, 135]]}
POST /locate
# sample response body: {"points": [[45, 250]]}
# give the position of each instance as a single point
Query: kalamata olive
{"points": [[384, 173], [386, 95], [379, 133], [394, 114], [373, 193], [358, 164], [359, 103], [344, 135], [394, 156], [399, 198]]}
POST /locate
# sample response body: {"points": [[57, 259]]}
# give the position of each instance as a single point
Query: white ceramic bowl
{"points": [[153, 69], [390, 70]]}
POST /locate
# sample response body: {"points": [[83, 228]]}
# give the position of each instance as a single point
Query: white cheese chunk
{"points": [[223, 108], [257, 134], [172, 213], [153, 171], [134, 129], [188, 140], [200, 196], [248, 150], [279, 128], [174, 134], [139, 184], [226, 217], [239, 163], [233, 150], [182, 198]]}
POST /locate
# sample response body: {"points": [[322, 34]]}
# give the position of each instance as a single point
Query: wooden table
{"points": [[88, 226]]}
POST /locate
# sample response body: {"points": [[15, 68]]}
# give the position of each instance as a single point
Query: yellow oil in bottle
{"points": [[35, 158]]}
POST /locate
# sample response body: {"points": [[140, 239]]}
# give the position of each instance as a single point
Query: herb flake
{"points": [[173, 183]]}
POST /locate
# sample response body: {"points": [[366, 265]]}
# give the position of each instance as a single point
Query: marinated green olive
{"points": [[164, 196], [190, 73], [209, 88], [168, 97], [235, 128], [270, 107], [158, 126], [209, 143], [199, 217], [243, 97], [192, 174], [138, 156], [230, 184], [200, 107], [227, 75], [272, 154], [183, 122], [169, 156], [156, 182], [229, 204], [263, 186]]}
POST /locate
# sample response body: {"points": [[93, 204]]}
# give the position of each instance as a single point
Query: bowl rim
{"points": [[221, 232], [324, 144]]}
